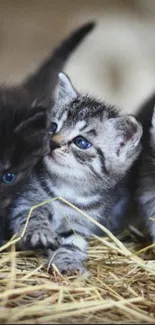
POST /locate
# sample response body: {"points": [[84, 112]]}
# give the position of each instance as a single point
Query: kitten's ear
{"points": [[65, 92], [129, 133], [36, 121]]}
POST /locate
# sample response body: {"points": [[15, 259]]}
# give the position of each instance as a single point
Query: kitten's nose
{"points": [[54, 145]]}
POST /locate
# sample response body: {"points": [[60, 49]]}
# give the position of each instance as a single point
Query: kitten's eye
{"points": [[82, 143], [9, 178], [53, 127]]}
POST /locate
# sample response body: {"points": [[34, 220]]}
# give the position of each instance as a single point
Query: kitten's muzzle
{"points": [[54, 145], [55, 142]]}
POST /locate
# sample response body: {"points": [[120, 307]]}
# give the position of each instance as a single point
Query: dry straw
{"points": [[120, 287]]}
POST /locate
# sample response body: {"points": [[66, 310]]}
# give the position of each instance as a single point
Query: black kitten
{"points": [[24, 139], [24, 129]]}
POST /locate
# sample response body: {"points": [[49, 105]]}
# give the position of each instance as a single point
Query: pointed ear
{"points": [[65, 92], [35, 122], [129, 132]]}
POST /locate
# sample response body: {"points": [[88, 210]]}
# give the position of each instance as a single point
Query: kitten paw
{"points": [[43, 238], [67, 260]]}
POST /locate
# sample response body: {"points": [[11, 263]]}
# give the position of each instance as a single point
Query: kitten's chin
{"points": [[51, 159]]}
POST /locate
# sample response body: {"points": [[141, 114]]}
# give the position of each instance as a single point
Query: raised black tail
{"points": [[44, 80]]}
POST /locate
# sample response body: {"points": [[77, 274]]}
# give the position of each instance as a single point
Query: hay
{"points": [[119, 289]]}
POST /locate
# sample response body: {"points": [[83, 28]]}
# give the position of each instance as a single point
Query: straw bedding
{"points": [[119, 288]]}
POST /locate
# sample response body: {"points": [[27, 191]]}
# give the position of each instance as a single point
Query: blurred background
{"points": [[115, 62]]}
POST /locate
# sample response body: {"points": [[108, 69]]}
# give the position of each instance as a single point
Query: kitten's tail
{"points": [[45, 78], [67, 46]]}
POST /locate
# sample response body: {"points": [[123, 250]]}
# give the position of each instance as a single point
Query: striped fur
{"points": [[91, 179], [23, 119]]}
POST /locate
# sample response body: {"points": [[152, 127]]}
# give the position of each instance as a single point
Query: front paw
{"points": [[39, 239], [67, 259]]}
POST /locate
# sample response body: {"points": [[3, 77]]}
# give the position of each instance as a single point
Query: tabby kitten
{"points": [[91, 152], [24, 122]]}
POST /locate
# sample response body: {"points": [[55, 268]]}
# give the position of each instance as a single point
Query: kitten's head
{"points": [[92, 142], [23, 138]]}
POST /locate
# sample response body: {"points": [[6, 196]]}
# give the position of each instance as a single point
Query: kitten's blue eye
{"points": [[9, 178], [82, 143], [53, 127]]}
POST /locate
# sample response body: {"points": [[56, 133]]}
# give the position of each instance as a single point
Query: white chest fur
{"points": [[67, 217]]}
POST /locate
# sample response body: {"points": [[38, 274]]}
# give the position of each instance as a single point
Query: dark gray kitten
{"points": [[91, 153], [142, 184], [24, 120], [24, 138]]}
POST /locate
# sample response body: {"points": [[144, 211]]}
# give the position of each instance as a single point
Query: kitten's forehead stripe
{"points": [[81, 125], [92, 132], [85, 108]]}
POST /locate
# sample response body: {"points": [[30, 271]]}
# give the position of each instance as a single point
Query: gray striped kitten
{"points": [[91, 152]]}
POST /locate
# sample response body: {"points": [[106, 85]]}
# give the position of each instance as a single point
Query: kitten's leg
{"points": [[153, 231], [38, 233], [150, 223], [147, 182], [145, 204], [70, 256]]}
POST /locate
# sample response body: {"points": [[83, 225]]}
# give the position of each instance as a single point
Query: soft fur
{"points": [[92, 179], [24, 140], [142, 185], [24, 119]]}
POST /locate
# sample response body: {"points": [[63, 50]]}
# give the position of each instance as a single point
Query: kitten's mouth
{"points": [[53, 146], [55, 155], [54, 158], [56, 161]]}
